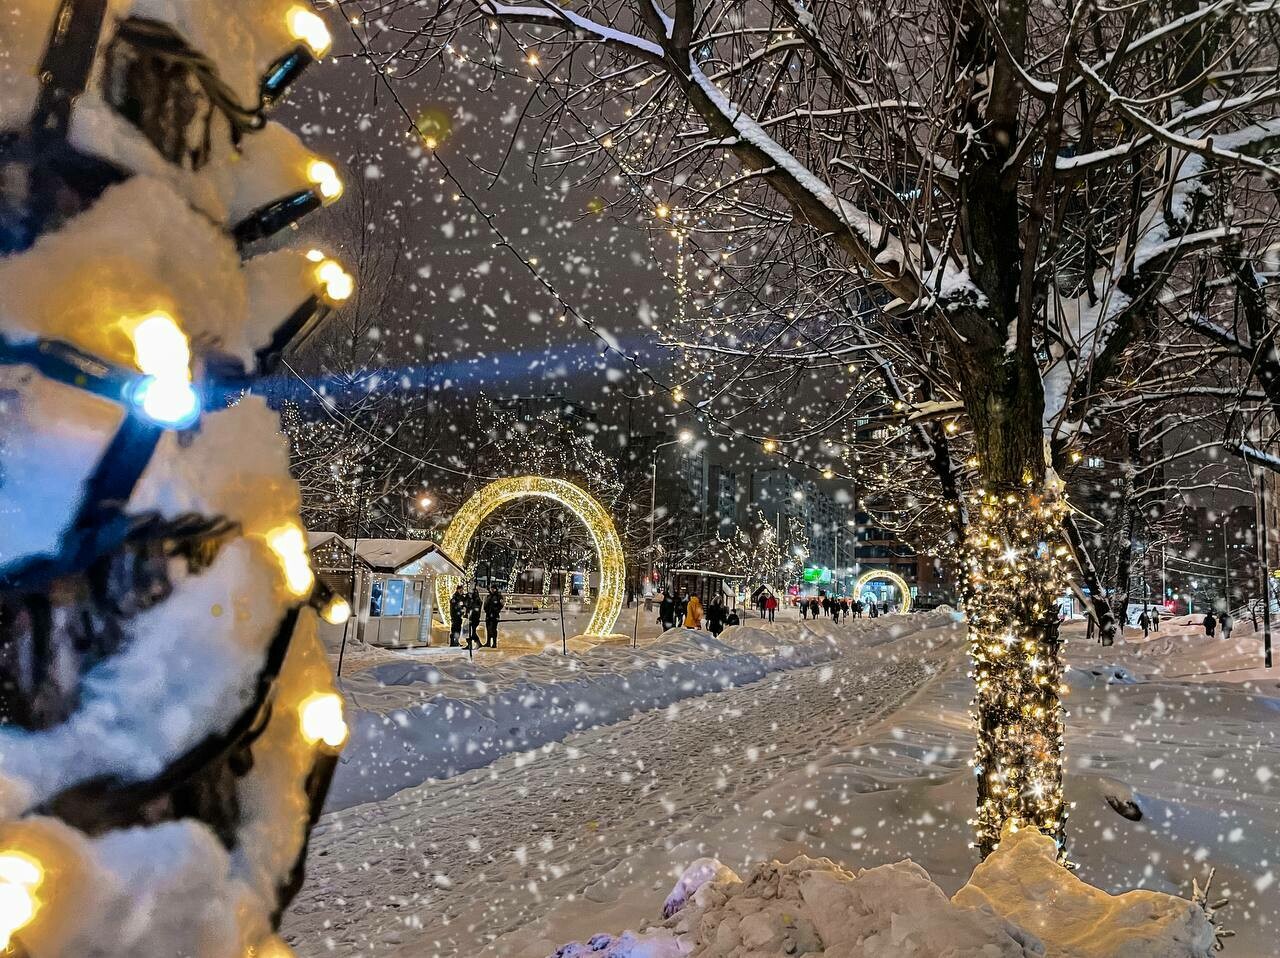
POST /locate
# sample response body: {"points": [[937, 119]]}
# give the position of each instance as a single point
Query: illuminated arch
{"points": [[904, 590], [578, 501]]}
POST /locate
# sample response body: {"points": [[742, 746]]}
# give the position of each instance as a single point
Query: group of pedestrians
{"points": [[466, 610], [687, 610], [839, 608], [680, 608]]}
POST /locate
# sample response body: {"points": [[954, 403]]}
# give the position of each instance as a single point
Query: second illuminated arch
{"points": [[904, 590]]}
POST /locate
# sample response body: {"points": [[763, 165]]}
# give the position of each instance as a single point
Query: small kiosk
{"points": [[394, 585]]}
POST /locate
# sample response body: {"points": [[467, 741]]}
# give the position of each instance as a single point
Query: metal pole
{"points": [[564, 552], [1226, 566], [355, 599], [1264, 569], [1164, 576], [653, 507]]}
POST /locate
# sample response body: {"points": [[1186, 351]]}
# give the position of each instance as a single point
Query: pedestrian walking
{"points": [[475, 606], [771, 605], [493, 606], [835, 609], [682, 607], [1225, 624], [1145, 622], [457, 613], [1210, 623], [763, 602], [804, 608], [667, 611], [716, 614], [693, 613], [844, 610], [814, 607], [857, 608]]}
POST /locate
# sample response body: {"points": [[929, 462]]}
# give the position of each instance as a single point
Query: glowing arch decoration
{"points": [[577, 500], [904, 590]]}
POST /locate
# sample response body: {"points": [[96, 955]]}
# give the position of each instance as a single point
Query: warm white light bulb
{"points": [[325, 178], [290, 547], [160, 347], [338, 283], [320, 716], [336, 611], [20, 876], [306, 26]]}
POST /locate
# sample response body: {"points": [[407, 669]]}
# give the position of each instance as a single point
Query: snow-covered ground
{"points": [[861, 758], [437, 713]]}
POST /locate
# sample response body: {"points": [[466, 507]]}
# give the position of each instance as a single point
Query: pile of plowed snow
{"points": [[1019, 903]]}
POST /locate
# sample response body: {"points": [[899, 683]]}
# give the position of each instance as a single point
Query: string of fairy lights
{"points": [[1016, 567], [145, 362]]}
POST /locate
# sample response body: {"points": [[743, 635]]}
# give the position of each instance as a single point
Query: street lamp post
{"points": [[684, 438]]}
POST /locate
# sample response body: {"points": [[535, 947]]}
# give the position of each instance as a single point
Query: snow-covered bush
{"points": [[168, 723]]}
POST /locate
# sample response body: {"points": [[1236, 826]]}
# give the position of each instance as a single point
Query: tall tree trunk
{"points": [[1015, 564]]}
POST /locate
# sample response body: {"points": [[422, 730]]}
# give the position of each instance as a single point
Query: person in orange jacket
{"points": [[693, 614]]}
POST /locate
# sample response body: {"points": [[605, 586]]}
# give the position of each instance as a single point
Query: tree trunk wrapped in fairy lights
{"points": [[1015, 567], [168, 720]]}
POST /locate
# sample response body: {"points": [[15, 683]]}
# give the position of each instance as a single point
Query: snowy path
{"points": [[445, 868]]}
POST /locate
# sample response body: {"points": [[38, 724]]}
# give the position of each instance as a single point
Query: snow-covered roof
{"points": [[405, 556]]}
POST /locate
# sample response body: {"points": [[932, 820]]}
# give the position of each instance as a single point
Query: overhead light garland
{"points": [[676, 392]]}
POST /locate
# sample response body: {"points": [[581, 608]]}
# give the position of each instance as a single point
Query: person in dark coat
{"points": [[493, 606], [804, 608], [835, 609], [1210, 623], [475, 605], [813, 608], [1145, 623], [844, 610], [826, 605], [716, 614], [457, 612], [732, 618], [763, 602], [682, 607], [667, 611]]}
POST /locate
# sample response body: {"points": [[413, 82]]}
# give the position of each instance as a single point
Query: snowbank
{"points": [[412, 721], [1019, 904]]}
